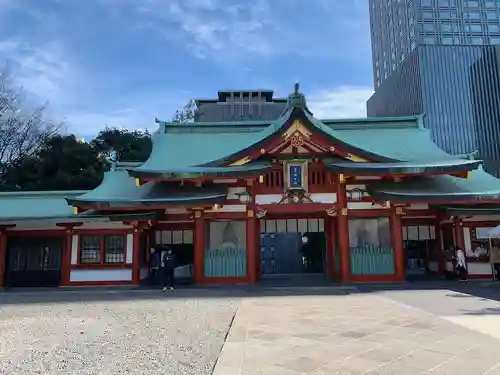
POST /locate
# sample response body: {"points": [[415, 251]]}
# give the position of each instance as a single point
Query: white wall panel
{"points": [[130, 248], [101, 275], [74, 249]]}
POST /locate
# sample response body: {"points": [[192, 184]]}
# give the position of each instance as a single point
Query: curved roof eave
{"points": [[481, 186], [395, 168], [201, 171], [212, 199]]}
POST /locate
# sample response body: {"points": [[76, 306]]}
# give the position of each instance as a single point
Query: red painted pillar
{"points": [[136, 256], [343, 230], [257, 247], [397, 245], [3, 256], [66, 260], [251, 245], [199, 247], [330, 246], [439, 249]]}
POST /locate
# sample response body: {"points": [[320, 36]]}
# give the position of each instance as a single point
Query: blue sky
{"points": [[123, 62]]}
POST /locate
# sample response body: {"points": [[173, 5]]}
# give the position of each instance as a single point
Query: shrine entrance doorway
{"points": [[292, 246]]}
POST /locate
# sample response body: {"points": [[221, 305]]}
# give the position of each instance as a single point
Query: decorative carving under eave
{"points": [[260, 213], [331, 211], [384, 204], [295, 197]]}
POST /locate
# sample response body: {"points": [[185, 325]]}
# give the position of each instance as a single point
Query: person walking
{"points": [[461, 264], [168, 267]]}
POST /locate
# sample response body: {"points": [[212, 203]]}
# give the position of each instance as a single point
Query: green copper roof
{"points": [[180, 147], [18, 206], [395, 168], [118, 189], [480, 186]]}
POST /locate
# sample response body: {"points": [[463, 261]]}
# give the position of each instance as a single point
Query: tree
{"points": [[186, 114], [61, 163], [22, 132], [129, 146]]}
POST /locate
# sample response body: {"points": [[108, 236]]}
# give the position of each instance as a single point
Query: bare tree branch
{"points": [[22, 131], [186, 114]]}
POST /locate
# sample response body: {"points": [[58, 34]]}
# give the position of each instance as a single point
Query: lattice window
{"points": [[109, 249], [90, 251], [114, 249]]}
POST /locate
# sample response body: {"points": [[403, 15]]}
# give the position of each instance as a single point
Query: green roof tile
{"points": [[479, 186], [36, 205], [118, 189]]}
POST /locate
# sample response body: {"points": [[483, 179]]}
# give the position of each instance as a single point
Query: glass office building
{"points": [[440, 58]]}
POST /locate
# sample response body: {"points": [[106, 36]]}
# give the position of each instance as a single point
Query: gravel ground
{"points": [[139, 333]]}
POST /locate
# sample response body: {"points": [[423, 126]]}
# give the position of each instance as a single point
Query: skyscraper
{"points": [[440, 58]]}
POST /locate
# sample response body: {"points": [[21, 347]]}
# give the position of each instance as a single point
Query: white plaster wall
{"points": [[292, 225], [267, 198], [230, 208], [216, 232], [101, 275], [364, 206], [74, 249], [129, 255], [479, 268], [169, 237], [324, 197], [144, 273], [233, 191], [467, 239]]}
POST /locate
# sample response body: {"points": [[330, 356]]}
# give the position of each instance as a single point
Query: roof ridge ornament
{"points": [[297, 100]]}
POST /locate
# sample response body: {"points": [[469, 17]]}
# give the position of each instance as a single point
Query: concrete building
{"points": [[435, 57]]}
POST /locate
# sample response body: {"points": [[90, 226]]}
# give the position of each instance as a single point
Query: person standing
{"points": [[168, 267], [461, 264], [495, 260]]}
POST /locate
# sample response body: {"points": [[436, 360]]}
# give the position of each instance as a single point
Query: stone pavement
{"points": [[350, 334], [473, 305]]}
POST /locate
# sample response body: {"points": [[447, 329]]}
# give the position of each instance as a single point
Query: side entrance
{"points": [[33, 261]]}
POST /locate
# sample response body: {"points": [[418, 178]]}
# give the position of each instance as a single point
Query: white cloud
{"points": [[42, 71], [341, 102], [231, 29]]}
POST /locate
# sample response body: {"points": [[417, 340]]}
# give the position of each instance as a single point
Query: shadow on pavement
{"points": [[481, 290], [474, 298], [46, 296]]}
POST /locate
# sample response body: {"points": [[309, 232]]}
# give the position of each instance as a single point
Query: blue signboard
{"points": [[295, 177]]}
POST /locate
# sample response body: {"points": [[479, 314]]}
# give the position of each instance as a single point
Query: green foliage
{"points": [[129, 146], [61, 163]]}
